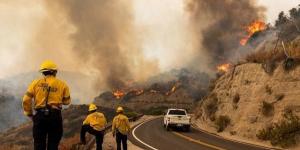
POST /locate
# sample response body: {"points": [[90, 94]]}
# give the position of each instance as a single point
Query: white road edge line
{"points": [[133, 133]]}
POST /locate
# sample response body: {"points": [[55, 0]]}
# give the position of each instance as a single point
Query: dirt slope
{"points": [[240, 94]]}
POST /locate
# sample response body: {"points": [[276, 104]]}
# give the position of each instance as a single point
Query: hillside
{"points": [[178, 88], [257, 100]]}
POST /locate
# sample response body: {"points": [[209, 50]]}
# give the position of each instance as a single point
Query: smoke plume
{"points": [[103, 38], [220, 24]]}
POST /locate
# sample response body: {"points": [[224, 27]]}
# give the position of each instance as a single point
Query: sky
{"points": [[275, 6], [19, 19]]}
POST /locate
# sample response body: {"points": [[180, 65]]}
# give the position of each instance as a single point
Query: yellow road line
{"points": [[197, 141]]}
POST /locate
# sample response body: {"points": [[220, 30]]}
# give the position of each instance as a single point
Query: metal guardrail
{"points": [[89, 145]]}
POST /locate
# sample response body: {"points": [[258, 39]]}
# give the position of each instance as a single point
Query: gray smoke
{"points": [[220, 24], [104, 38]]}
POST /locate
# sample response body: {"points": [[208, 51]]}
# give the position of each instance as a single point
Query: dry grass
{"points": [[271, 58], [268, 89], [283, 133]]}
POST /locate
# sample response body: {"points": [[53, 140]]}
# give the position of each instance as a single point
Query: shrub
{"points": [[267, 108], [160, 110], [236, 98], [222, 122], [279, 97], [283, 133], [269, 66], [268, 89], [289, 64], [211, 106]]}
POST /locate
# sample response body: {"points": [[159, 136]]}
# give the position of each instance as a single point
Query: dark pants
{"points": [[98, 134], [121, 138], [47, 129]]}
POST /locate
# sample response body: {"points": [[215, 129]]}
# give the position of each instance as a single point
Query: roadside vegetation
{"points": [[284, 133], [155, 110], [211, 106], [267, 109], [222, 122]]}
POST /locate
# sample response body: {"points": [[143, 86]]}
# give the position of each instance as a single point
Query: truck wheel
{"points": [[167, 128], [187, 129]]}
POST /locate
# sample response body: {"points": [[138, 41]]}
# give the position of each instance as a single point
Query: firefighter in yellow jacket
{"points": [[120, 128], [94, 124], [48, 94]]}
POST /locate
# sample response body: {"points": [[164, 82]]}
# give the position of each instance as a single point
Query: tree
{"points": [[295, 13], [282, 19]]}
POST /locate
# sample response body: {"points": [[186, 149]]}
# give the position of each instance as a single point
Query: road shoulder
{"points": [[109, 142], [227, 136]]}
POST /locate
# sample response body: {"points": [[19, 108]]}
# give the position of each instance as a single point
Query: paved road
{"points": [[155, 136]]}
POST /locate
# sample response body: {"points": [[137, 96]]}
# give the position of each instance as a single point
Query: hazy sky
{"points": [[275, 6], [159, 19]]}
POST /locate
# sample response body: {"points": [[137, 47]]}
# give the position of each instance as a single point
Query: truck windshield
{"points": [[176, 112]]}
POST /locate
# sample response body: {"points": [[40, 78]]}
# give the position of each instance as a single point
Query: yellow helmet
{"points": [[48, 65], [92, 107], [120, 109]]}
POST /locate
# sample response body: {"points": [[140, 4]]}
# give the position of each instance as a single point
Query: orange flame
{"points": [[173, 89], [224, 67], [254, 27], [118, 94]]}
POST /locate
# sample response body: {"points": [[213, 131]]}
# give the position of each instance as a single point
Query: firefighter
{"points": [[120, 128], [48, 94], [94, 124]]}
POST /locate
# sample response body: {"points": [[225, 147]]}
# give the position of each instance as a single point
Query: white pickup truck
{"points": [[177, 118]]}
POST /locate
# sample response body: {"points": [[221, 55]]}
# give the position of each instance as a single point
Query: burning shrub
{"points": [[283, 133], [222, 122], [267, 108]]}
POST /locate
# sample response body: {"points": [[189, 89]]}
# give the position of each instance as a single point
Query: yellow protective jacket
{"points": [[59, 94], [96, 120], [120, 123]]}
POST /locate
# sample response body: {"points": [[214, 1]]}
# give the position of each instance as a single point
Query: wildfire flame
{"points": [[254, 27], [224, 67], [118, 94], [173, 89]]}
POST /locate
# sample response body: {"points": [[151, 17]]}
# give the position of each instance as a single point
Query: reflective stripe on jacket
{"points": [[121, 123], [59, 94], [96, 120]]}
